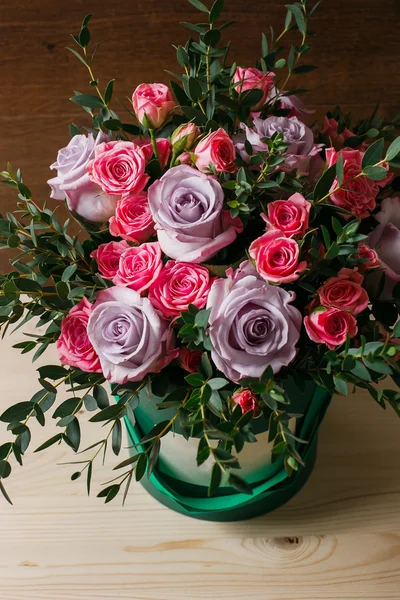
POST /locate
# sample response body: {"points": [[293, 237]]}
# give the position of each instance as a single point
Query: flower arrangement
{"points": [[226, 249]]}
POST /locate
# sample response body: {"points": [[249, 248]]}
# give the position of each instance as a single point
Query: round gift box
{"points": [[177, 481]]}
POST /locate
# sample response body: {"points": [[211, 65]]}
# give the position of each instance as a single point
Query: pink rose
{"points": [[366, 252], [330, 130], [289, 216], [163, 148], [330, 326], [132, 220], [107, 257], [84, 198], [344, 292], [189, 359], [178, 285], [73, 346], [358, 193], [184, 136], [218, 150], [119, 167], [153, 104], [277, 257], [250, 79], [139, 266], [247, 401]]}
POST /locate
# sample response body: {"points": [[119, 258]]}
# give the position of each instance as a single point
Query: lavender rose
{"points": [[72, 183], [299, 136], [252, 324], [129, 336], [385, 240], [186, 206]]}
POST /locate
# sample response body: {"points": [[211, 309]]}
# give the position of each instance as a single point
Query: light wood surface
{"points": [[338, 539]]}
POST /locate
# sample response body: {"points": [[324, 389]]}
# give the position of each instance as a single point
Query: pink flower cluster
{"points": [[169, 227]]}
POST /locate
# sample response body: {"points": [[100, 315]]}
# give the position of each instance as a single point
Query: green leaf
{"points": [[18, 412], [194, 89], [217, 383], [53, 440], [112, 492], [396, 330], [339, 169], [101, 396], [111, 412], [69, 271], [117, 437], [62, 290], [5, 469], [52, 372], [359, 370], [340, 385], [333, 251], [87, 100], [182, 56], [141, 466], [75, 53], [250, 97], [373, 153], [73, 433], [326, 236], [206, 365], [216, 476], [212, 37], [4, 492], [325, 182], [280, 63], [299, 17], [84, 37], [109, 91], [216, 10], [199, 5], [378, 365], [153, 457], [239, 484], [47, 385], [393, 150], [67, 408], [201, 318], [195, 379], [128, 461], [375, 173], [303, 69]]}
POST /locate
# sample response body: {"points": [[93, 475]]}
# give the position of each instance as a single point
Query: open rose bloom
{"points": [[236, 265]]}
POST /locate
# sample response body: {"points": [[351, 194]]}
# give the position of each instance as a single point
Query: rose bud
{"points": [[250, 79], [247, 401], [189, 359], [184, 137], [153, 104]]}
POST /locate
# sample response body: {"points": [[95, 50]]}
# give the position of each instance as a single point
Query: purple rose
{"points": [[129, 336], [299, 136], [84, 197], [186, 206], [385, 240], [252, 324]]}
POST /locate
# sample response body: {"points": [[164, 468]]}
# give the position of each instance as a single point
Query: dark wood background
{"points": [[356, 50]]}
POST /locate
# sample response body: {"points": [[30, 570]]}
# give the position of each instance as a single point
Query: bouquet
{"points": [[227, 251]]}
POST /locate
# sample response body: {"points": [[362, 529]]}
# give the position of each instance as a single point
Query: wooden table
{"points": [[339, 538]]}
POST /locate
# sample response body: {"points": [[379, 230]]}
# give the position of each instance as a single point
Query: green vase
{"points": [[179, 484]]}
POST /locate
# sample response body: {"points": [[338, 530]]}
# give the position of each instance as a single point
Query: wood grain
{"points": [[339, 538]]}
